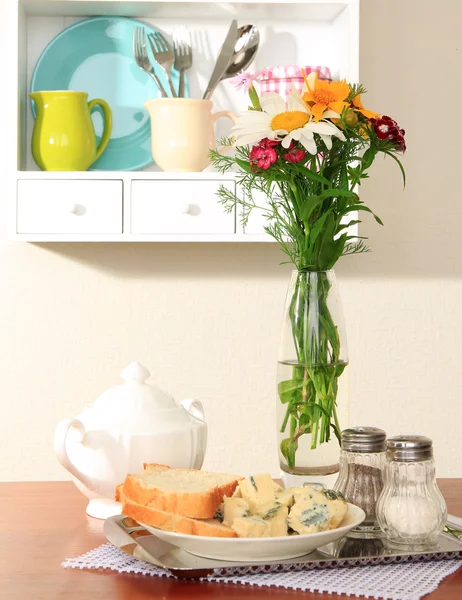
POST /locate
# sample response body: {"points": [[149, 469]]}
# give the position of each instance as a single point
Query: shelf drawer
{"points": [[187, 206], [69, 206]]}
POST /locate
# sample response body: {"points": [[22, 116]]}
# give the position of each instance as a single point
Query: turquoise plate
{"points": [[96, 56]]}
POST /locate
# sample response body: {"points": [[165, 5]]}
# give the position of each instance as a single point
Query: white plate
{"points": [[259, 549]]}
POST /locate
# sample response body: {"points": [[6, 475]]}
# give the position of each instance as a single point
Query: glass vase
{"points": [[312, 400]]}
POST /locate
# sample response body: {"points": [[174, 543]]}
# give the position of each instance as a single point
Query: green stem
{"points": [[337, 424], [317, 346]]}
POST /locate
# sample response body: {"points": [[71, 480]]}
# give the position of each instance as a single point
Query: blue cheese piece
{"points": [[268, 510], [317, 510], [219, 513], [233, 508], [258, 490], [247, 527], [285, 497], [337, 505], [278, 521], [237, 493], [310, 513], [276, 515], [277, 487], [297, 492]]}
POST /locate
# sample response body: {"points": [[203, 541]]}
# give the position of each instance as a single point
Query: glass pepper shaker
{"points": [[362, 460], [411, 510]]}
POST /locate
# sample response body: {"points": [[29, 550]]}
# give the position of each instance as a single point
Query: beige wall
{"points": [[205, 318]]}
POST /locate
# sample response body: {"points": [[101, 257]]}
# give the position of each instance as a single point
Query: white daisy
{"points": [[276, 121]]}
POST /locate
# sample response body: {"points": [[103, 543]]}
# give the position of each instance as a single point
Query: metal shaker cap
{"points": [[409, 448], [363, 439]]}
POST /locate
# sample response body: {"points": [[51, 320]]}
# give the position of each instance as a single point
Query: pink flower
{"points": [[295, 155], [243, 81], [262, 158]]}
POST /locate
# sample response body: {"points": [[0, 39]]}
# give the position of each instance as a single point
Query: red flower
{"points": [[262, 157], [386, 128], [400, 142], [383, 129], [267, 143], [295, 155]]}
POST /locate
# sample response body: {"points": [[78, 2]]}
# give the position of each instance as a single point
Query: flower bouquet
{"points": [[301, 163]]}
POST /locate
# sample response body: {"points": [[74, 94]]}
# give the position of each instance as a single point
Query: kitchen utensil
{"points": [[163, 54], [96, 56], [223, 60], [182, 132], [245, 50], [142, 59], [64, 137], [183, 54], [128, 425]]}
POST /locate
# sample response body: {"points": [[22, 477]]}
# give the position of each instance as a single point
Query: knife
{"points": [[223, 59], [124, 535], [452, 527], [130, 537]]}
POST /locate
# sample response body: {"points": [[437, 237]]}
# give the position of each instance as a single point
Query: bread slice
{"points": [[154, 467], [186, 492], [149, 515]]}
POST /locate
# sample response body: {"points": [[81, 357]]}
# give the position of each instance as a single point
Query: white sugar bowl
{"points": [[128, 425]]}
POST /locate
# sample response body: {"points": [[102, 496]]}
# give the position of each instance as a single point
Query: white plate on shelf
{"points": [[259, 549], [95, 55]]}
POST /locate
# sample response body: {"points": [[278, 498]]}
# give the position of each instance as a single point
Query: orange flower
{"points": [[358, 106], [323, 96]]}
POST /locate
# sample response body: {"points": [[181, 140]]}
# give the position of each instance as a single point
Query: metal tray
{"points": [[129, 536]]}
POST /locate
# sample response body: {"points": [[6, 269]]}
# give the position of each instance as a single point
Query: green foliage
{"points": [[309, 205]]}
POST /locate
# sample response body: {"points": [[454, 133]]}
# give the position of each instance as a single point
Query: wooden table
{"points": [[41, 524]]}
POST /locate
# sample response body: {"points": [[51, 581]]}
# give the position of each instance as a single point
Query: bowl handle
{"points": [[59, 445]]}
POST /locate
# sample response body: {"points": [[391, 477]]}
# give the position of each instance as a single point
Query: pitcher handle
{"points": [[107, 115], [230, 115], [59, 444], [194, 408]]}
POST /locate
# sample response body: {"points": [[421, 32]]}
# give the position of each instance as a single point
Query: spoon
{"points": [[245, 49]]}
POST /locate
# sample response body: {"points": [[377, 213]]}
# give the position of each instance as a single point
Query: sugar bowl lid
{"points": [[134, 396]]}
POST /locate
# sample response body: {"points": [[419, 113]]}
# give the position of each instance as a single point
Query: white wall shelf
{"points": [[304, 32]]}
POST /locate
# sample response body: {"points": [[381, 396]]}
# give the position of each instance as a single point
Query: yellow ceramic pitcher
{"points": [[64, 136]]}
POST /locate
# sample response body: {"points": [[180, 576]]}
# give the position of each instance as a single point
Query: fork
{"points": [[183, 54], [141, 56], [164, 56]]}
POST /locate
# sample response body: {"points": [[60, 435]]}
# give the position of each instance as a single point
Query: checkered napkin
{"points": [[282, 79]]}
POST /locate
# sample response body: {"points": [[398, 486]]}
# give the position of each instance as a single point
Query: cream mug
{"points": [[182, 132]]}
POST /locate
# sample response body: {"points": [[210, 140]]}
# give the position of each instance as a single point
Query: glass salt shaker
{"points": [[362, 460], [411, 510]]}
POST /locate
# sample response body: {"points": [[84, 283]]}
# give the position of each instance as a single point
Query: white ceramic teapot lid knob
{"points": [[135, 372]]}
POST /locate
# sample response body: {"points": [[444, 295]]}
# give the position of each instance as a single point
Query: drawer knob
{"points": [[76, 209], [190, 209]]}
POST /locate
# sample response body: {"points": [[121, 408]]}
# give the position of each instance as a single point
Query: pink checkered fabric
{"points": [[282, 79]]}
